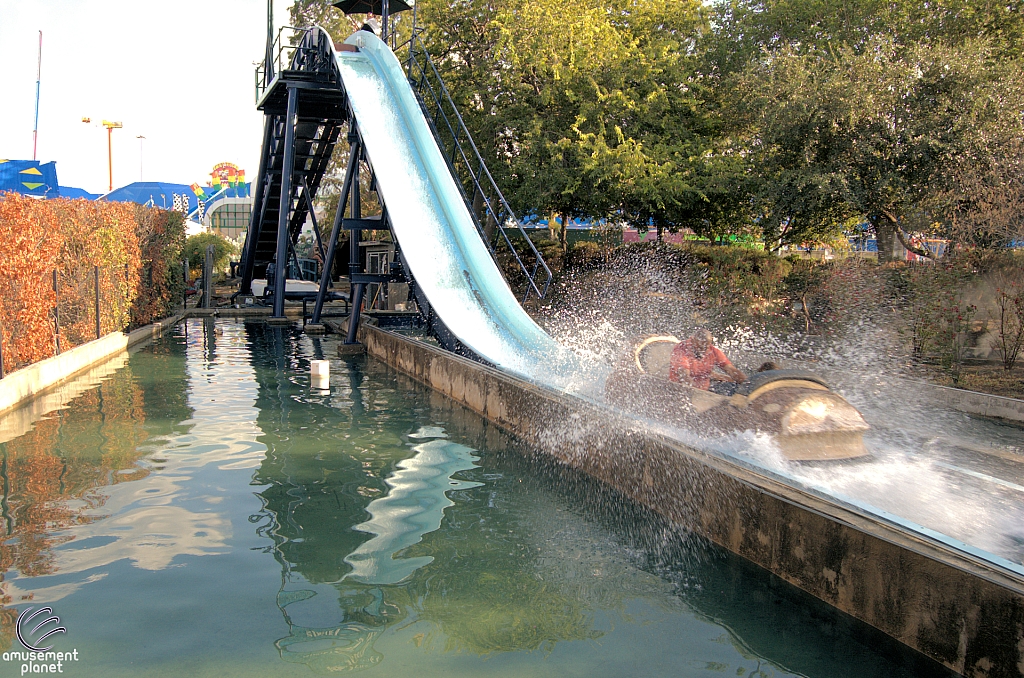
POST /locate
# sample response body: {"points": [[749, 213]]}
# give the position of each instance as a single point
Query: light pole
{"points": [[111, 126], [39, 75], [140, 138]]}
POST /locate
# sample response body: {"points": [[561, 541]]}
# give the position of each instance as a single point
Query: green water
{"points": [[204, 512]]}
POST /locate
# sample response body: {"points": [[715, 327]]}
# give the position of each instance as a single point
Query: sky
{"points": [[180, 74]]}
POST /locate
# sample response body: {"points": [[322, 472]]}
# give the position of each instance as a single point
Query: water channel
{"points": [[204, 511]]}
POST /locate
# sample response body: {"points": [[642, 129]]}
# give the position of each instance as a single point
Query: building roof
{"points": [[161, 194]]}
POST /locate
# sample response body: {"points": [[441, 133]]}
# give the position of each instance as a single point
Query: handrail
{"points": [[302, 43], [480, 182]]}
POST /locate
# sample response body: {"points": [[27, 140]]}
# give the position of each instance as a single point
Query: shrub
{"points": [[584, 254], [195, 250], [742, 275], [805, 284], [30, 241], [1009, 321], [936, 311], [161, 238], [73, 237]]}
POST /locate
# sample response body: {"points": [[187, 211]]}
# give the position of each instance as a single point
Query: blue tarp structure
{"points": [[155, 193], [30, 177], [75, 193], [161, 194]]}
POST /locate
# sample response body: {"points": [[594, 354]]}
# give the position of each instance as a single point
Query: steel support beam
{"points": [[312, 216], [256, 217], [355, 263], [332, 244], [287, 168]]}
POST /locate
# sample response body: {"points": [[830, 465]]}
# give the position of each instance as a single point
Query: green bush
{"points": [[195, 250], [742, 275], [584, 254], [161, 237]]}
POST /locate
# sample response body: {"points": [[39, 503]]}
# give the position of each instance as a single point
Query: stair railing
{"points": [[305, 49], [484, 199]]}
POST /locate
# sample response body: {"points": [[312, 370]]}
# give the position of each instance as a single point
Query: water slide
{"points": [[433, 226]]}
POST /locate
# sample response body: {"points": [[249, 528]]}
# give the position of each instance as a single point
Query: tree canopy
{"points": [[589, 109], [789, 118], [872, 110]]}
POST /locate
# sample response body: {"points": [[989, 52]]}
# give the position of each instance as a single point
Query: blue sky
{"points": [[178, 73]]}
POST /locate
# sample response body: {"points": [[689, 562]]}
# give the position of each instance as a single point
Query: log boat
{"points": [[808, 421]]}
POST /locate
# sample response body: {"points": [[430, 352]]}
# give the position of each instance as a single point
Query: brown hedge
{"points": [[134, 247]]}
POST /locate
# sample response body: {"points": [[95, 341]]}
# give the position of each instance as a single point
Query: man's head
{"points": [[371, 26], [701, 340]]}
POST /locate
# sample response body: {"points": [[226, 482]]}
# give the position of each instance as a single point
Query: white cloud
{"points": [[179, 73]]}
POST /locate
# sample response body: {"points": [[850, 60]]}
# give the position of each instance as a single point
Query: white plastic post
{"points": [[320, 374]]}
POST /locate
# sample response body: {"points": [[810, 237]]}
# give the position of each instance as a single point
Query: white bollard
{"points": [[320, 374], [319, 368]]}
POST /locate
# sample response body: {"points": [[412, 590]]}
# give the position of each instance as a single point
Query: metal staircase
{"points": [[303, 98], [494, 219], [302, 87]]}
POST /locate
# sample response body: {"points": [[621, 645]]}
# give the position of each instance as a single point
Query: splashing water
{"points": [[912, 478], [931, 469]]}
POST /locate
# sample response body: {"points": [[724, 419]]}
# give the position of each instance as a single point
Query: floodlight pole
{"points": [[111, 126], [140, 138], [39, 73]]}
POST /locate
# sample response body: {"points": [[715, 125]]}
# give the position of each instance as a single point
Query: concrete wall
{"points": [[981, 404], [39, 378], [962, 612], [20, 420]]}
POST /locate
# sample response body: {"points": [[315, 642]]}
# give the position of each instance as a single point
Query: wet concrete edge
{"points": [[32, 381]]}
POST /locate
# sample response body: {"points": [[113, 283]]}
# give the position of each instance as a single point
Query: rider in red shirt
{"points": [[694, 360]]}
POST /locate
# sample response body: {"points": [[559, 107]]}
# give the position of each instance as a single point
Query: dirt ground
{"points": [[989, 378]]}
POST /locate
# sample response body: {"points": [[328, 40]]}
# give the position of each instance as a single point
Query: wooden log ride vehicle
{"points": [[796, 407]]}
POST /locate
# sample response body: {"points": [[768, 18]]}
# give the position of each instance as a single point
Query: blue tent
{"points": [[73, 193], [154, 193], [30, 177], [160, 194]]}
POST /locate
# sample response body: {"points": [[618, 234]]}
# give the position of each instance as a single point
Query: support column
{"points": [[312, 217], [355, 262], [332, 244], [287, 167]]}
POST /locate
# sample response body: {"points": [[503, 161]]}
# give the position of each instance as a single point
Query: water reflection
{"points": [[324, 465], [113, 476], [369, 507], [70, 446], [413, 507]]}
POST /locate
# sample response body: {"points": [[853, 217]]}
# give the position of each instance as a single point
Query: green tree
{"points": [[195, 250], [586, 109], [864, 109]]}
